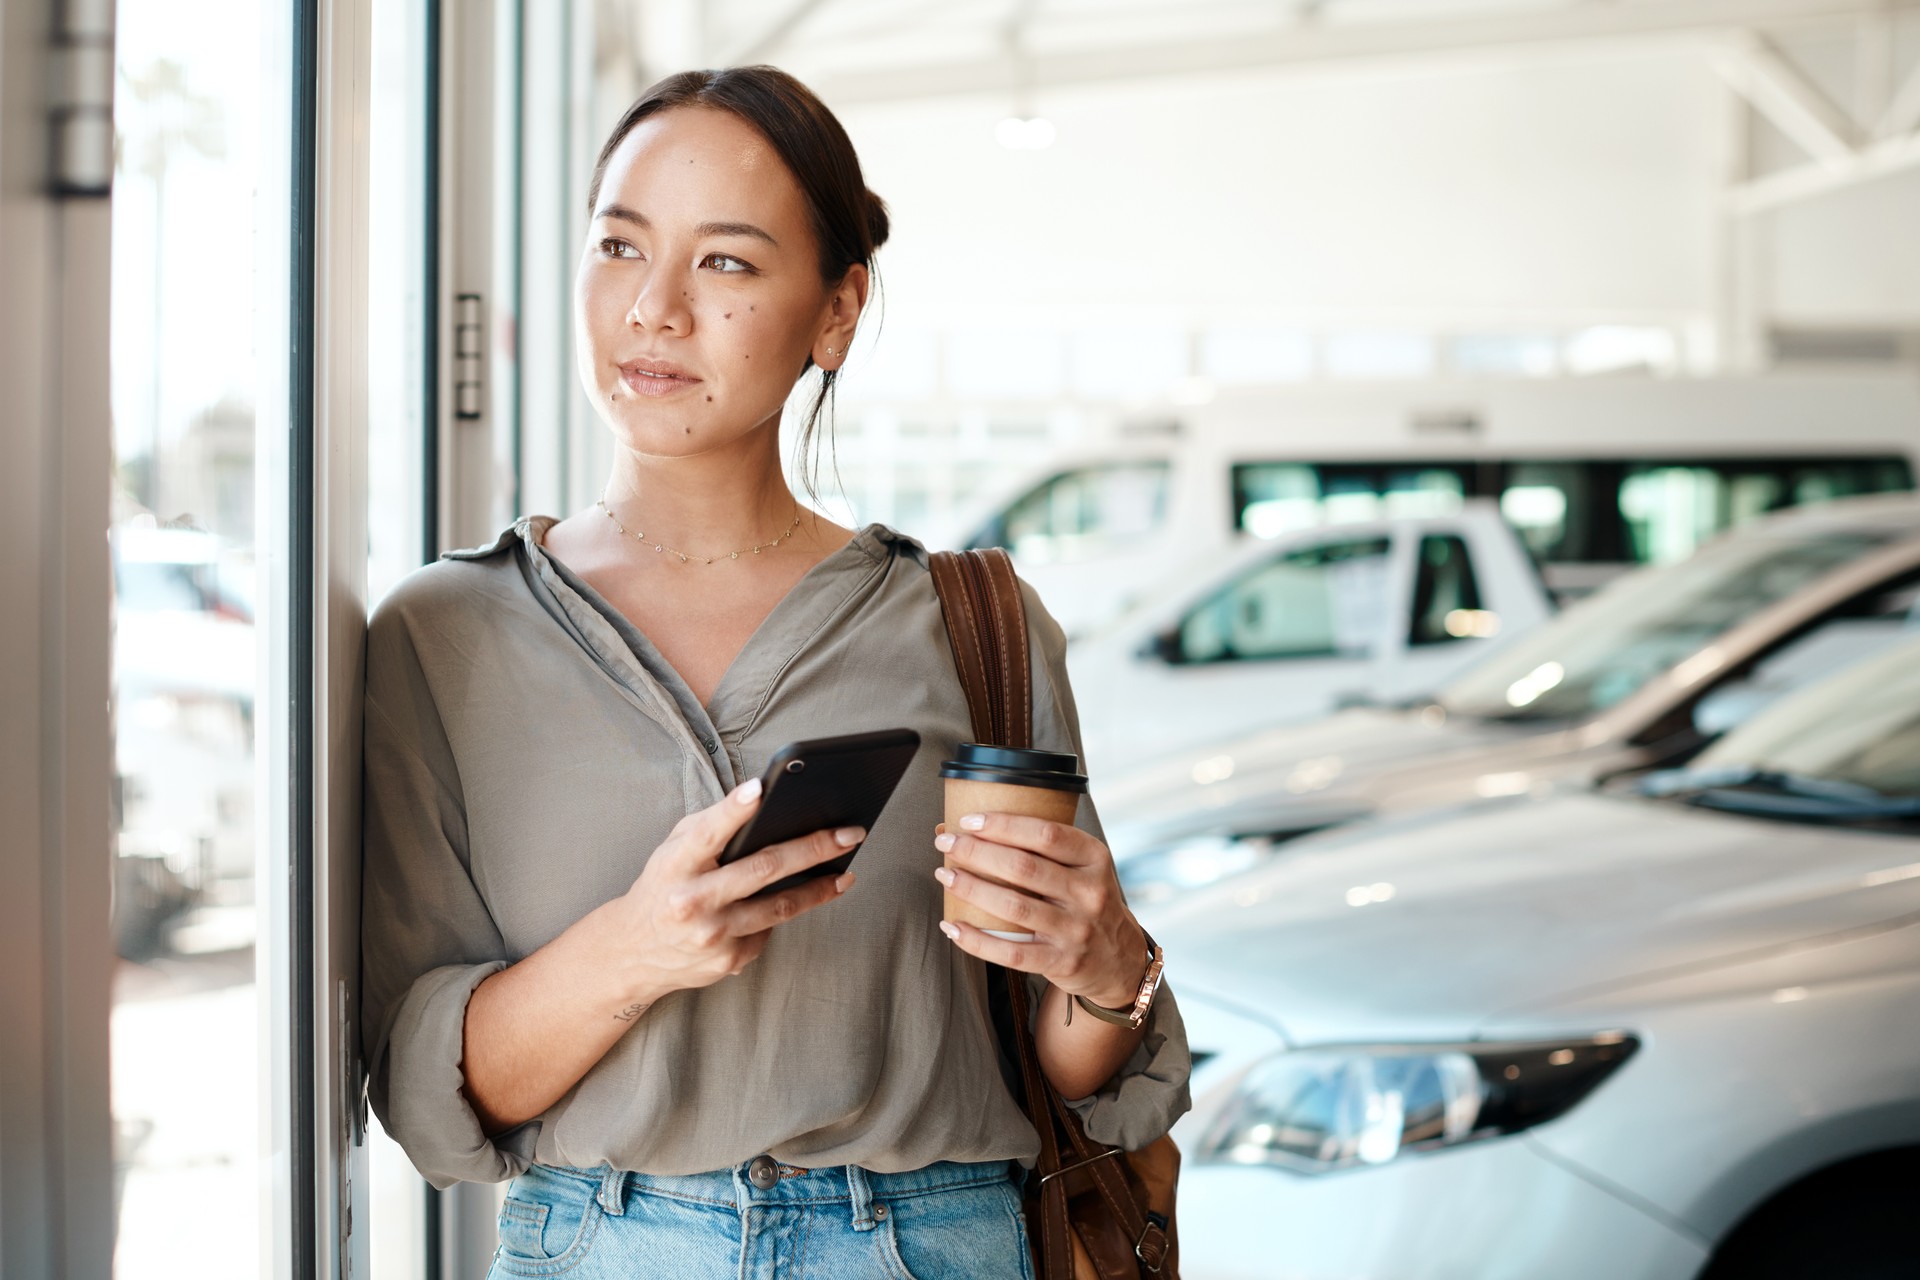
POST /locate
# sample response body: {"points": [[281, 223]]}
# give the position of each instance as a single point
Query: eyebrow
{"points": [[638, 219]]}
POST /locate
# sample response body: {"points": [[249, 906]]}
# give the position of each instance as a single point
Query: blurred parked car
{"points": [[1642, 673], [183, 669], [1290, 628], [1633, 1032], [1590, 470]]}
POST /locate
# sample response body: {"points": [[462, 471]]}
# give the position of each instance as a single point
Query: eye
{"points": [[613, 248], [738, 266]]}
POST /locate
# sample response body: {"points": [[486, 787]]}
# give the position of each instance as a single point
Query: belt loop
{"points": [[862, 1196], [613, 1191]]}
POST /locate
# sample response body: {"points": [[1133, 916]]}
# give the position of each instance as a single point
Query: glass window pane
{"points": [[1083, 513], [1271, 498], [1446, 596], [1318, 601], [1236, 356], [184, 380], [1119, 363], [1379, 355]]}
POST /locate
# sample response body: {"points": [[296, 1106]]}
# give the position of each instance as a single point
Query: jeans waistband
{"points": [[731, 1187]]}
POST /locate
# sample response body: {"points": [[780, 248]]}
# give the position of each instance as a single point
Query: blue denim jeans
{"points": [[947, 1221]]}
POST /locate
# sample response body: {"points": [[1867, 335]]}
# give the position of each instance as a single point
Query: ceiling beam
{"points": [[1778, 90], [1791, 186], [1322, 42], [1903, 113]]}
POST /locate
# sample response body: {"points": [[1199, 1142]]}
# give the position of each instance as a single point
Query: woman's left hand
{"points": [[1058, 883]]}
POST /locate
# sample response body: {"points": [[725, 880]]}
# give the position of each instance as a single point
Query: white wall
{"points": [[1548, 186], [1847, 259]]}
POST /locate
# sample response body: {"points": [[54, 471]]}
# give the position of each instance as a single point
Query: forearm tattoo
{"points": [[631, 1012]]}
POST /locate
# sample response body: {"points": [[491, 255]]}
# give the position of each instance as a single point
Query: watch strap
{"points": [[1134, 1014]]}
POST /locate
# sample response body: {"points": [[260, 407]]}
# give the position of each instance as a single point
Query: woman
{"points": [[564, 727]]}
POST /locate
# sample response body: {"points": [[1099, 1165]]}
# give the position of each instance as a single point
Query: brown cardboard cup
{"points": [[1033, 784]]}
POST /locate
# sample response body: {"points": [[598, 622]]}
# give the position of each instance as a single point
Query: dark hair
{"points": [[849, 221]]}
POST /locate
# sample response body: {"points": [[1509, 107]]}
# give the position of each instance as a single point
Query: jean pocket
{"points": [[961, 1233], [547, 1224]]}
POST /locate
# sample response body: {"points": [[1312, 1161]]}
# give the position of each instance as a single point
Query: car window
{"points": [[1604, 648], [1272, 498], [1861, 726], [1446, 595], [1083, 513], [1315, 601]]}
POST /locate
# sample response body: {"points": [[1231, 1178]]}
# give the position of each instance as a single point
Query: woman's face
{"points": [[699, 297]]}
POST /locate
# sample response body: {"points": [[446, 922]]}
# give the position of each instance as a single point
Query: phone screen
{"points": [[820, 784]]}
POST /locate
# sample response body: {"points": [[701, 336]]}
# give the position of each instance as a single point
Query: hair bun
{"points": [[878, 223]]}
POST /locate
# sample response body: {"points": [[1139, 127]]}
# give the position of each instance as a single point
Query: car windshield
{"points": [[1604, 648], [1860, 728]]}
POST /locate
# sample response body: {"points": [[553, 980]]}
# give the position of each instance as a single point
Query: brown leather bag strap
{"points": [[986, 620], [1009, 614], [964, 631], [1056, 1246], [987, 625]]}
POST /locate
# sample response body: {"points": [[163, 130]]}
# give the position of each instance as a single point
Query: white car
{"points": [[183, 672], [1597, 473], [1642, 672], [1288, 629], [1661, 1031]]}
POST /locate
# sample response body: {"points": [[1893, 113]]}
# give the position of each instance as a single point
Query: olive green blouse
{"points": [[526, 750]]}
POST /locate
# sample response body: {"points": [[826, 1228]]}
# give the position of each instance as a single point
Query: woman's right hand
{"points": [[691, 921]]}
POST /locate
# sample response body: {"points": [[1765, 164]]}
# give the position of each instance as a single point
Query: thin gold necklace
{"points": [[662, 547]]}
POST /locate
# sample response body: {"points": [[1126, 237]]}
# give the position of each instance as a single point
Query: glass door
{"points": [[192, 248]]}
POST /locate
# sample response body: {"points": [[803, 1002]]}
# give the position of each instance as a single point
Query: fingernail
{"points": [[944, 876], [847, 837], [843, 882], [947, 927], [944, 842], [974, 821], [748, 791]]}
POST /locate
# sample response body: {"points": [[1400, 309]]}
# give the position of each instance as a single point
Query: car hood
{"points": [[1427, 929], [1298, 778]]}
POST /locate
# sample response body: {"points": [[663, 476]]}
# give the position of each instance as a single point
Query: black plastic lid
{"points": [[1054, 770]]}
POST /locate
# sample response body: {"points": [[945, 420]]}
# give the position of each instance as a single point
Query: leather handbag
{"points": [[1093, 1212]]}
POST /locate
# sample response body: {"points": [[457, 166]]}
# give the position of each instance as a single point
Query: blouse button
{"points": [[709, 744]]}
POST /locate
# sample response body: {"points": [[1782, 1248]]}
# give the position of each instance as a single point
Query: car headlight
{"points": [[1337, 1107], [1159, 874]]}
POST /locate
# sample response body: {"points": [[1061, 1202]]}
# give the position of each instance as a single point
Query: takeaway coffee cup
{"points": [[1034, 784]]}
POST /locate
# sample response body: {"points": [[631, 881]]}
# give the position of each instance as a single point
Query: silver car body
{"points": [[1769, 969], [1381, 761]]}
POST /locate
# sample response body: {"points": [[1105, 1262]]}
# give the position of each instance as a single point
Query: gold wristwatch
{"points": [[1136, 1013]]}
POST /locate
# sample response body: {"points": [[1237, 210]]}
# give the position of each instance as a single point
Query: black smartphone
{"points": [[821, 784]]}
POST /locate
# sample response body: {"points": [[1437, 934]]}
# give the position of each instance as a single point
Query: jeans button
{"points": [[762, 1172]]}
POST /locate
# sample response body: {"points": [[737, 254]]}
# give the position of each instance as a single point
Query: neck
{"points": [[723, 500]]}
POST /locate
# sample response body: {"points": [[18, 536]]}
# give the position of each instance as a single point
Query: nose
{"points": [[662, 303]]}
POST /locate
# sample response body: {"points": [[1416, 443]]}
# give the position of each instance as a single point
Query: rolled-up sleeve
{"points": [[427, 938], [1149, 1091]]}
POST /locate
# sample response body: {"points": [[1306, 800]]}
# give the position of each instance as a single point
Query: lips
{"points": [[648, 377]]}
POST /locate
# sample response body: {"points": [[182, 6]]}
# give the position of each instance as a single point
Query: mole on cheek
{"points": [[727, 315], [709, 399]]}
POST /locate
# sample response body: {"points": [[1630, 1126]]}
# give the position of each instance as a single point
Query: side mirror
{"points": [[1164, 645]]}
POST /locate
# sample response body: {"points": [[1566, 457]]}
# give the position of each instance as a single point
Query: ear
{"points": [[844, 305]]}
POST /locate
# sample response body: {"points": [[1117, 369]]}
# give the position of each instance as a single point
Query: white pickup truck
{"points": [[1291, 628]]}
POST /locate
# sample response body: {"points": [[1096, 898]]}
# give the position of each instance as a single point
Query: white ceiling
{"points": [[889, 50]]}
